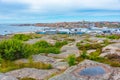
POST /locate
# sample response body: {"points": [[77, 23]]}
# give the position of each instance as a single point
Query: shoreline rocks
{"points": [[32, 73], [7, 77], [111, 49], [89, 67]]}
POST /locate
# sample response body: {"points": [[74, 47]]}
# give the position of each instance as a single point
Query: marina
{"points": [[92, 30], [7, 29]]}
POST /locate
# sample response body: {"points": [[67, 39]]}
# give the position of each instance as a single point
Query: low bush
{"points": [[112, 60], [84, 54], [59, 44], [88, 46], [27, 50], [106, 42], [26, 78], [113, 36], [42, 44], [95, 55], [113, 63], [63, 35], [82, 41], [49, 50], [113, 57], [45, 47], [34, 35], [10, 65], [15, 49], [79, 59], [71, 60], [87, 40], [1, 59], [70, 39], [22, 37]]}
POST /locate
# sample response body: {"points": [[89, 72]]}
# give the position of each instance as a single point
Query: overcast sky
{"points": [[33, 11]]}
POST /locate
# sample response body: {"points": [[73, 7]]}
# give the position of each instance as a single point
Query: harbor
{"points": [[9, 29], [91, 30]]}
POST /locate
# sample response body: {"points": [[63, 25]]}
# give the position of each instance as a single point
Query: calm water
{"points": [[6, 29], [92, 71]]}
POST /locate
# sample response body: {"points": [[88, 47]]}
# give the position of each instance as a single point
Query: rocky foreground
{"points": [[85, 70], [89, 70]]}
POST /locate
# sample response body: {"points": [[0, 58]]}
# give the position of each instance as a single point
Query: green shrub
{"points": [[63, 35], [1, 59], [113, 36], [71, 60], [49, 50], [81, 41], [59, 44], [87, 40], [79, 59], [84, 54], [106, 42], [97, 52], [38, 65], [27, 50], [10, 65], [26, 78], [115, 63], [88, 46], [113, 57], [45, 47], [22, 37], [100, 36], [53, 50], [42, 44], [34, 35], [109, 36], [70, 39], [14, 49], [111, 62], [95, 55]]}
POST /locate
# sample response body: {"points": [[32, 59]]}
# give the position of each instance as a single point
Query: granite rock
{"points": [[7, 77], [111, 49], [89, 70], [32, 73]]}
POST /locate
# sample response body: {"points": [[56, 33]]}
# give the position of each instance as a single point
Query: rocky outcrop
{"points": [[111, 49], [90, 51], [97, 40], [67, 50], [44, 59], [32, 41], [60, 65], [31, 73], [89, 70], [7, 77]]}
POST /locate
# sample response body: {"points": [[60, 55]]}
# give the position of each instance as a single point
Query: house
{"points": [[63, 31]]}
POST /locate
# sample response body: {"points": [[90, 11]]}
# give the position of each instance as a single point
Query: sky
{"points": [[34, 11]]}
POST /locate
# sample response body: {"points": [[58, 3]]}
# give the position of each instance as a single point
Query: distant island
{"points": [[83, 24]]}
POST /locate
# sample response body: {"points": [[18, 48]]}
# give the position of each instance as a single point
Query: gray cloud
{"points": [[67, 5]]}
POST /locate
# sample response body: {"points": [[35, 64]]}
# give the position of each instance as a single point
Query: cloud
{"points": [[48, 10], [67, 5]]}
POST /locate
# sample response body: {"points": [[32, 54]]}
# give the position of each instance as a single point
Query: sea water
{"points": [[92, 71], [8, 29]]}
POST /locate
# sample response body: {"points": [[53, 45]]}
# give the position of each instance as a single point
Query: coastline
{"points": [[7, 36], [28, 32]]}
